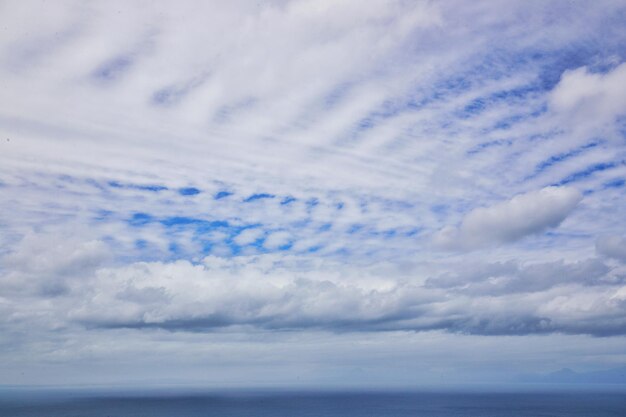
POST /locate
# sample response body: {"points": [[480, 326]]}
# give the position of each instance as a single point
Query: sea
{"points": [[163, 403]]}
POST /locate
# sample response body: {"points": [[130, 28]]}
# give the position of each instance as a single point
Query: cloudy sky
{"points": [[384, 193]]}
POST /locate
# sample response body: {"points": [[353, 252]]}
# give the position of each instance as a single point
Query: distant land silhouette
{"points": [[568, 376]]}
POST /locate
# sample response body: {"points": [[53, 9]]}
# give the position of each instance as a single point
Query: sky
{"points": [[311, 193]]}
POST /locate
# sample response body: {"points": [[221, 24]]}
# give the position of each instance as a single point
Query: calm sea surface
{"points": [[246, 404]]}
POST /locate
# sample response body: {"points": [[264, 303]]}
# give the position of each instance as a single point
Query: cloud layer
{"points": [[274, 292], [304, 172]]}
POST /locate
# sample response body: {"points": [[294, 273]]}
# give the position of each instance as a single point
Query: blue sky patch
{"points": [[103, 214], [490, 144], [140, 219], [615, 183], [140, 187], [325, 227], [312, 202], [259, 196], [222, 194], [555, 159], [587, 172], [187, 191], [200, 223]]}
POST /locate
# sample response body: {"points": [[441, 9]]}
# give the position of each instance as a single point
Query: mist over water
{"points": [[314, 404]]}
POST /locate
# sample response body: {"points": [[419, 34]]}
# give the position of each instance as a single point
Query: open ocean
{"points": [[273, 404]]}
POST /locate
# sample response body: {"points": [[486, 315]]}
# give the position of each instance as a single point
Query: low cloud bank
{"points": [[297, 293]]}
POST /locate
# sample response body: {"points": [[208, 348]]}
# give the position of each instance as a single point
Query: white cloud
{"points": [[523, 215], [285, 292], [43, 263], [248, 236], [591, 98], [277, 239]]}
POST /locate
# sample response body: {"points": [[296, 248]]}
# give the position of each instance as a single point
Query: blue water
{"points": [[273, 404]]}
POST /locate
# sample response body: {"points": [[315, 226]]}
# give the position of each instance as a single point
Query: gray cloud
{"points": [[612, 247], [294, 293], [44, 264], [511, 277]]}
